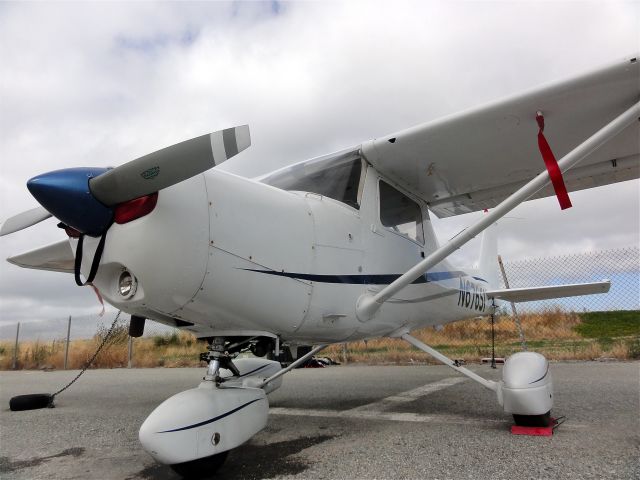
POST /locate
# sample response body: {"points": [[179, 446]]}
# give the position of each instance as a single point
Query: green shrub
{"points": [[119, 335], [605, 342], [167, 339], [619, 323], [634, 348]]}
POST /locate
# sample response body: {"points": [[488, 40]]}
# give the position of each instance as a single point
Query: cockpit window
{"points": [[336, 177], [399, 213]]}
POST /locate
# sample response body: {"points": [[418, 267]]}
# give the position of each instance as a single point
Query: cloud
{"points": [[99, 84], [539, 228]]}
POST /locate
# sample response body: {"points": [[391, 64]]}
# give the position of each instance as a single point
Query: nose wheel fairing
{"points": [[203, 421], [223, 412]]}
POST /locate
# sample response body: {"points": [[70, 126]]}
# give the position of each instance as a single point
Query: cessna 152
{"points": [[332, 249]]}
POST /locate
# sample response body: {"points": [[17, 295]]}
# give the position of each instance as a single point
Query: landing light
{"points": [[127, 285]]}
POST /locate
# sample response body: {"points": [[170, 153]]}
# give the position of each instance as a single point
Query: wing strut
{"points": [[368, 304]]}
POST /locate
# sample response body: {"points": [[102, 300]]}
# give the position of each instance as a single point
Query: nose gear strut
{"points": [[218, 358]]}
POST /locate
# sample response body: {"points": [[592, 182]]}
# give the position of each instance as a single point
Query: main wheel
{"points": [[533, 420], [200, 468]]}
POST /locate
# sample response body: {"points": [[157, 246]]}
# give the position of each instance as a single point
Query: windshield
{"points": [[336, 176]]}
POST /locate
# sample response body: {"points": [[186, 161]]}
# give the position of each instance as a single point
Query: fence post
{"points": [[15, 348], [66, 347], [513, 306], [344, 353], [130, 351]]}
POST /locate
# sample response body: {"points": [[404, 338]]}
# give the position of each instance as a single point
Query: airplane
{"points": [[334, 249]]}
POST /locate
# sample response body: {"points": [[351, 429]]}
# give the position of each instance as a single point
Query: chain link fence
{"points": [[82, 327], [620, 266], [67, 343], [600, 326], [592, 326]]}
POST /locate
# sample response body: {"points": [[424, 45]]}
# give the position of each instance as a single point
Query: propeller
{"points": [[168, 166], [24, 220], [84, 198]]}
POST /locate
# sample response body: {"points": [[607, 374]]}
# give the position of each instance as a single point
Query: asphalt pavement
{"points": [[342, 422]]}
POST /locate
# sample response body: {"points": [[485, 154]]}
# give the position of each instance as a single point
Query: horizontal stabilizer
{"points": [[556, 291], [57, 257]]}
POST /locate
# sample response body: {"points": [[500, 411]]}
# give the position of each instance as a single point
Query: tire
{"points": [[200, 468], [285, 357], [30, 402], [533, 420], [301, 352], [136, 326]]}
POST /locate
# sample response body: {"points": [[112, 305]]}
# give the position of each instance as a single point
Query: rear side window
{"points": [[400, 214]]}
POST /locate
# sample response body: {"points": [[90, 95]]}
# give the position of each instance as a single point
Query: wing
{"points": [[474, 160], [56, 257], [555, 291]]}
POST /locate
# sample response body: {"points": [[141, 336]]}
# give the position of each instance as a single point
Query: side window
{"points": [[399, 213]]}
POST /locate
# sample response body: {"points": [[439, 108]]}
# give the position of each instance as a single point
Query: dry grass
{"points": [[179, 350], [551, 333], [162, 351]]}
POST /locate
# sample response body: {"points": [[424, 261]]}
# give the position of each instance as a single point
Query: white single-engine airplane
{"points": [[334, 249]]}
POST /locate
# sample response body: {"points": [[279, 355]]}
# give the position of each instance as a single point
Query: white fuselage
{"points": [[227, 255]]}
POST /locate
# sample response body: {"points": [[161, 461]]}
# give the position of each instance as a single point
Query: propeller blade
{"points": [[24, 220], [168, 166]]}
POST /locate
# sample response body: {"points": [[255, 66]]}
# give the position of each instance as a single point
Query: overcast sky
{"points": [[98, 84]]}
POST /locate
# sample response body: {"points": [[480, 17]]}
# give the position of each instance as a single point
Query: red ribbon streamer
{"points": [[552, 166], [99, 297]]}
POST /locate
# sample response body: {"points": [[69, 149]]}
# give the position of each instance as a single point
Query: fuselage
{"points": [[226, 255]]}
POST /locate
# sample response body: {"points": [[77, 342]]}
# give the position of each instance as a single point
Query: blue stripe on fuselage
{"points": [[383, 279]]}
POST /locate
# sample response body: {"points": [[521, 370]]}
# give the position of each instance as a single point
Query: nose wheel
{"points": [[200, 468]]}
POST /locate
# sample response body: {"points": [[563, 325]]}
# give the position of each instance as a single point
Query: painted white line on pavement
{"points": [[408, 396], [400, 417]]}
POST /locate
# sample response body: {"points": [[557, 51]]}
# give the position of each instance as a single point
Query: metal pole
{"points": [[344, 353], [493, 336], [491, 385], [130, 351], [66, 348], [513, 306], [15, 348], [369, 304], [293, 365]]}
